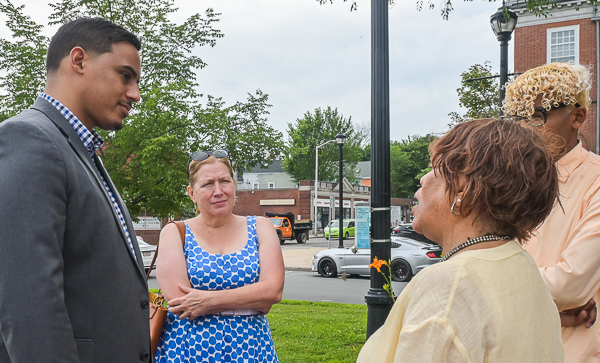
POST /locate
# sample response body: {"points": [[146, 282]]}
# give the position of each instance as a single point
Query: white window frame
{"points": [[549, 32], [255, 185], [271, 185]]}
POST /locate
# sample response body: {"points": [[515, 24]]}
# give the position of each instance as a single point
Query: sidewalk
{"points": [[299, 259]]}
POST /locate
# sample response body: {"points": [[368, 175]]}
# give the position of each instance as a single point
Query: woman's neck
{"points": [[215, 222], [464, 231]]}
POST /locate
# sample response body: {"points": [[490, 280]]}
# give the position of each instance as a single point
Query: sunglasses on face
{"points": [[203, 155]]}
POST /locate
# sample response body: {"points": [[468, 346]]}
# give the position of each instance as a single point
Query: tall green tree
{"points": [[147, 159], [22, 59], [480, 97], [538, 7], [408, 159], [314, 129]]}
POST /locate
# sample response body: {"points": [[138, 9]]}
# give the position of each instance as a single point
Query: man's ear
{"points": [[77, 59], [580, 115]]}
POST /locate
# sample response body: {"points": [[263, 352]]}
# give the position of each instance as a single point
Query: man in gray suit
{"points": [[72, 286]]}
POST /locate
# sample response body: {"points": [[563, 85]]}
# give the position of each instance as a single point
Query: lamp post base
{"points": [[379, 303]]}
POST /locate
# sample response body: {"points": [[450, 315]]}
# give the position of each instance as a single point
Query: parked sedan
{"points": [[349, 229], [408, 258], [406, 230], [147, 251]]}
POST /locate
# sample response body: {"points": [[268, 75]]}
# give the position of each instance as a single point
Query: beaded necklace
{"points": [[471, 242]]}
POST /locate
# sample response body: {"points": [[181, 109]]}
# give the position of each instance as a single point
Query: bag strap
{"points": [[181, 227]]}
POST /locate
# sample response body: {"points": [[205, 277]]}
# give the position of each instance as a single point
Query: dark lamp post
{"points": [[341, 139], [378, 300], [503, 27]]}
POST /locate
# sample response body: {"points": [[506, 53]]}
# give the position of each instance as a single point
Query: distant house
{"points": [[273, 177], [570, 33], [364, 172]]}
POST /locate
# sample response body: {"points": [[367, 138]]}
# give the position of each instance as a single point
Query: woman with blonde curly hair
{"points": [[493, 181]]}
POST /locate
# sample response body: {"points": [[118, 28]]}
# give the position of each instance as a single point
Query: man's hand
{"points": [[577, 316]]}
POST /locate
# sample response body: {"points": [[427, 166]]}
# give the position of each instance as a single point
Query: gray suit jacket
{"points": [[70, 288]]}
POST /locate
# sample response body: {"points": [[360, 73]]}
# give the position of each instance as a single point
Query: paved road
{"points": [[317, 242], [309, 286]]}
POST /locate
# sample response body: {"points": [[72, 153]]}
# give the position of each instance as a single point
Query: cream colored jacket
{"points": [[487, 305]]}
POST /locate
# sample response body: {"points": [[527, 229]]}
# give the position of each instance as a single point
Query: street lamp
{"points": [[341, 139], [317, 179], [503, 27]]}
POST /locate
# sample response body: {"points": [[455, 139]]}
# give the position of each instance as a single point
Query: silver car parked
{"points": [[408, 258], [147, 251]]}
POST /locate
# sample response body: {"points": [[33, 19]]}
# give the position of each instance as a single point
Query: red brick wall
{"points": [[150, 237], [248, 202], [530, 52], [304, 204]]}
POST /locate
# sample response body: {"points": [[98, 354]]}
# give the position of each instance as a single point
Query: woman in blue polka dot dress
{"points": [[222, 284]]}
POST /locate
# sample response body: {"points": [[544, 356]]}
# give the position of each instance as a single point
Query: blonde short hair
{"points": [[195, 166], [557, 83]]}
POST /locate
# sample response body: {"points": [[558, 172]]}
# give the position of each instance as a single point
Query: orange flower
{"points": [[377, 263]]}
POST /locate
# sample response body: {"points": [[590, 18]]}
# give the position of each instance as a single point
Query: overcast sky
{"points": [[305, 55]]}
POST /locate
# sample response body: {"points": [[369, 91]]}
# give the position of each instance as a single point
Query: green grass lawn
{"points": [[305, 331]]}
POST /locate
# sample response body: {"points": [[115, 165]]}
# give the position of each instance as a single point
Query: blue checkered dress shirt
{"points": [[92, 142]]}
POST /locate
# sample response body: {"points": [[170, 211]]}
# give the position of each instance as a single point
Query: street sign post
{"points": [[363, 217]]}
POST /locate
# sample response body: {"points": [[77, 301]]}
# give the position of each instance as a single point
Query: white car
{"points": [[147, 251], [408, 258]]}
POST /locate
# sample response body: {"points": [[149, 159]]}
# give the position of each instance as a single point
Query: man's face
{"points": [[110, 87], [560, 122]]}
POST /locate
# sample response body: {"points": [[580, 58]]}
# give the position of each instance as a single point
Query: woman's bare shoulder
{"points": [[262, 222]]}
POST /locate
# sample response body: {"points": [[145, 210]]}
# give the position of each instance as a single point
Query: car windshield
{"points": [[276, 221], [335, 224]]}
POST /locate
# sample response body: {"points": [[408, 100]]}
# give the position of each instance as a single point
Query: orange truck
{"points": [[288, 228]]}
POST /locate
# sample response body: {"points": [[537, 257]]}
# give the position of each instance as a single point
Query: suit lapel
{"points": [[77, 145], [124, 211]]}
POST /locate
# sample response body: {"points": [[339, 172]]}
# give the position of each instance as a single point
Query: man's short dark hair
{"points": [[94, 35]]}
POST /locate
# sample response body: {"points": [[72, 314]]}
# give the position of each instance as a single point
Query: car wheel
{"points": [[346, 235], [301, 237], [401, 271], [281, 240], [327, 267]]}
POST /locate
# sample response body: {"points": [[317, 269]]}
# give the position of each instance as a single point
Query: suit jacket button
{"points": [[144, 356], [144, 304]]}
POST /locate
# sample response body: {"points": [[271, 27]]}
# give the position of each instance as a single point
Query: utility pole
{"points": [[378, 300]]}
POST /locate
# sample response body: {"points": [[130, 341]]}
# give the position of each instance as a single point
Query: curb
{"points": [[298, 269]]}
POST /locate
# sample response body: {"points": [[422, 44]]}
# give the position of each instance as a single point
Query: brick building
{"points": [[301, 201], [568, 34]]}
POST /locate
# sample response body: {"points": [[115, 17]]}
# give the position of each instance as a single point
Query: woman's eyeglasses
{"points": [[203, 155], [539, 115]]}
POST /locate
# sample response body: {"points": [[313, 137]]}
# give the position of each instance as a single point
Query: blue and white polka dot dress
{"points": [[215, 338]]}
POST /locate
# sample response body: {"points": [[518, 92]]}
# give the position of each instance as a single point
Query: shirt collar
{"points": [[90, 138], [570, 161]]}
